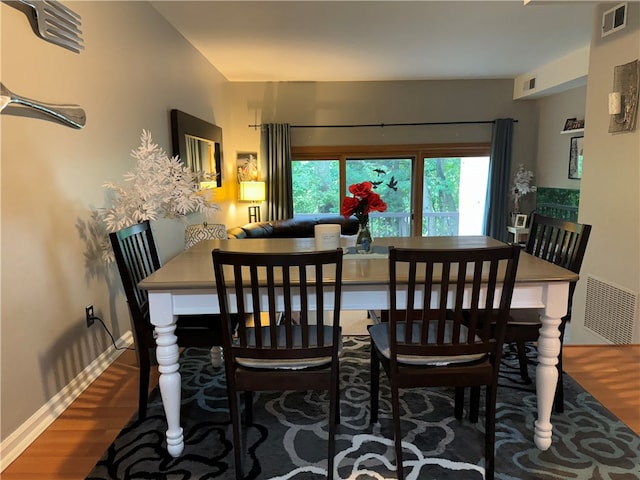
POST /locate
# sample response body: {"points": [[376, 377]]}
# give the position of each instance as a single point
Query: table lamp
{"points": [[253, 192]]}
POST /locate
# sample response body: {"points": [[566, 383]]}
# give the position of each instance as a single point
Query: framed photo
{"points": [[247, 166], [568, 124], [521, 221], [575, 158]]}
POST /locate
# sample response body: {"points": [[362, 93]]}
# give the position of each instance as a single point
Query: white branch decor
{"points": [[159, 186], [521, 186]]}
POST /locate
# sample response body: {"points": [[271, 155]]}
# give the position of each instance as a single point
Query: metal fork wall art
{"points": [[52, 21]]}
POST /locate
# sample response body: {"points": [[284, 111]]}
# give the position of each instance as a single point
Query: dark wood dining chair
{"points": [[276, 352], [563, 243], [435, 336], [137, 257]]}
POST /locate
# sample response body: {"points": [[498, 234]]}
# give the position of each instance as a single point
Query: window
{"points": [[391, 179], [444, 183], [454, 194], [316, 187]]}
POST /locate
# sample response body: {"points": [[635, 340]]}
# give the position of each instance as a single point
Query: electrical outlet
{"points": [[88, 310]]}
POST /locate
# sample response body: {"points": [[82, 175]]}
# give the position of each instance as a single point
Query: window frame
{"points": [[416, 152]]}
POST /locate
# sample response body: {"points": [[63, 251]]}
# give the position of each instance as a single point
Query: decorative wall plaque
{"points": [[626, 82]]}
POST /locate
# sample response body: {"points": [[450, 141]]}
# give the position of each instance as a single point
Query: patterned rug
{"points": [[289, 437]]}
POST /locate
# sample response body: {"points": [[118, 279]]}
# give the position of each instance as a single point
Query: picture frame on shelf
{"points": [[568, 124], [520, 221], [573, 124], [575, 158]]}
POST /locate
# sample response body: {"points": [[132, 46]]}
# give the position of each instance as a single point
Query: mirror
{"points": [[199, 146]]}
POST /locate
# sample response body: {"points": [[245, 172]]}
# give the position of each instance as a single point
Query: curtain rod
{"points": [[382, 125]]}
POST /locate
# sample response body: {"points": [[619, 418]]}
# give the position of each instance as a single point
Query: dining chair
{"points": [[137, 257], [563, 243], [275, 352], [434, 336]]}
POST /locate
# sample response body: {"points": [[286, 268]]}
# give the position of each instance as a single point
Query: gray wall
{"points": [[135, 68], [346, 103], [610, 186], [552, 163]]}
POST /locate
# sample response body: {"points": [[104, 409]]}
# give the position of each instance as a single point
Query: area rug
{"points": [[289, 437]]}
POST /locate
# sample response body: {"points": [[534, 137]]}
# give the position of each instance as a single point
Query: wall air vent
{"points": [[529, 84], [610, 311], [614, 19]]}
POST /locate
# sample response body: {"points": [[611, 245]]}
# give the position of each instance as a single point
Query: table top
{"points": [[193, 268]]}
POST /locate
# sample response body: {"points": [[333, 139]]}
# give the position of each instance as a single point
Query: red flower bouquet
{"points": [[363, 202]]}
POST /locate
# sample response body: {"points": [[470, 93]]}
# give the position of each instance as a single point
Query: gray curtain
{"points": [[275, 148], [497, 210]]}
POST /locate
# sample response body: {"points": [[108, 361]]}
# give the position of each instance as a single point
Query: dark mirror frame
{"points": [[184, 124]]}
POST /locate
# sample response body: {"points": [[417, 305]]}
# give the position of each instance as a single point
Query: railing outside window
{"points": [[393, 224], [434, 224]]}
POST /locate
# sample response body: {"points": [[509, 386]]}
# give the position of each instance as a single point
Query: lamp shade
{"points": [[252, 191]]}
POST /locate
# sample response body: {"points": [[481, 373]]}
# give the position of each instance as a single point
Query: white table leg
{"points": [[548, 351], [167, 354]]}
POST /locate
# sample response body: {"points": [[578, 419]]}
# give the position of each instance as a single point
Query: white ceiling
{"points": [[380, 40]]}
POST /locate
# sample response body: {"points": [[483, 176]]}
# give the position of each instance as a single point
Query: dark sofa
{"points": [[292, 228]]}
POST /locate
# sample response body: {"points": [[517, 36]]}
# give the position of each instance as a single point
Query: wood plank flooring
{"points": [[611, 373], [72, 445]]}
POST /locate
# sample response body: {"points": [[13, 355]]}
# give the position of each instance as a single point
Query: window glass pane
{"points": [[391, 179], [316, 187], [454, 194]]}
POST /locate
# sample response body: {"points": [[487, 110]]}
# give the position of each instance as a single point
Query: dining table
{"points": [[185, 285]]}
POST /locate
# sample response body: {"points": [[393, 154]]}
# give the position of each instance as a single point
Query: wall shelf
{"points": [[575, 130]]}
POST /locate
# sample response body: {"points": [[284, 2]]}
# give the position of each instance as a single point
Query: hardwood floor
{"points": [[611, 373], [72, 445]]}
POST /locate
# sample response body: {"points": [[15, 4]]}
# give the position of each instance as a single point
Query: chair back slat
{"points": [[443, 298], [270, 284], [560, 242], [137, 257]]}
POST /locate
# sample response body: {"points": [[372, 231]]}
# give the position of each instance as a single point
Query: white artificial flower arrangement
{"points": [[521, 186], [159, 186]]}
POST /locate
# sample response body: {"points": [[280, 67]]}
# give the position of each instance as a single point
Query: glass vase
{"points": [[364, 242]]}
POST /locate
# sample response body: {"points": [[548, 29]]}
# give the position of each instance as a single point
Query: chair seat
{"points": [[380, 336], [288, 363]]}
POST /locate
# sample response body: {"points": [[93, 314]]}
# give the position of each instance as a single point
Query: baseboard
{"points": [[26, 434]]}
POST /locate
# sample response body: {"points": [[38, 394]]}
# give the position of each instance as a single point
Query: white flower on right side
{"points": [[522, 182]]}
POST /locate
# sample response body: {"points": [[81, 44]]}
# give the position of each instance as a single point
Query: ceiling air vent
{"points": [[614, 19]]}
